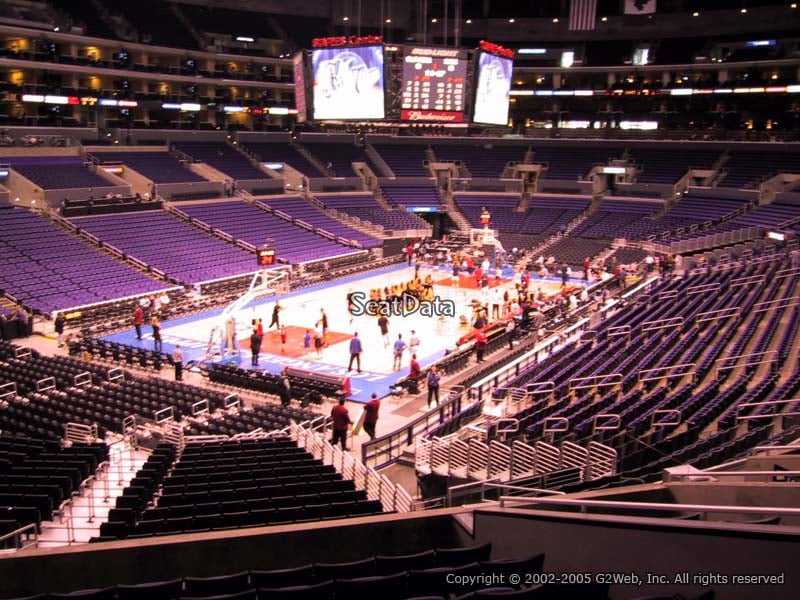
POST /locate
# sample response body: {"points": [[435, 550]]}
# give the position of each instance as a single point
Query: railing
{"points": [[8, 391], [658, 373], [768, 449], [704, 509], [173, 434], [200, 407], [606, 422], [387, 449], [82, 379], [43, 385], [16, 537], [766, 476], [522, 460], [776, 304], [378, 487], [595, 381], [79, 433], [722, 363], [547, 458], [715, 315], [602, 461], [670, 412], [786, 402], [481, 487], [165, 414], [672, 323], [751, 280]]}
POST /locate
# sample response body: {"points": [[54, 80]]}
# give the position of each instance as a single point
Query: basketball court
{"points": [[302, 310]]}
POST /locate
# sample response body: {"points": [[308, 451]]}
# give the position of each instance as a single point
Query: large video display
{"points": [[348, 83], [494, 85], [433, 84]]}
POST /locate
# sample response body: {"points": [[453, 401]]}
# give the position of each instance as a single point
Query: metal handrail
{"points": [[491, 483], [695, 475], [655, 506], [17, 536], [382, 450]]}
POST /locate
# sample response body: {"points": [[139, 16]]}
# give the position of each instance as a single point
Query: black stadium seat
{"points": [[204, 587], [318, 591], [302, 575], [95, 594], [455, 557], [244, 595], [157, 590], [388, 565]]}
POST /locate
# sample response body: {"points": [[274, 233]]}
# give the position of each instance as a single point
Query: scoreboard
{"points": [[434, 84]]}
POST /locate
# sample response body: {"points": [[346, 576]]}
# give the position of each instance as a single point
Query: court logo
{"points": [[404, 306]]}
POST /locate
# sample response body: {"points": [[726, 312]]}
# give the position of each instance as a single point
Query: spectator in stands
{"points": [[156, 333], [285, 389], [371, 415], [399, 347], [255, 346], [497, 302], [433, 385], [587, 263], [481, 341], [623, 278], [355, 352], [565, 273], [59, 327], [511, 329], [177, 361], [341, 420], [480, 320], [138, 320]]}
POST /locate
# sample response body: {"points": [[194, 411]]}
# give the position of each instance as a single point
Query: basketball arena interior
{"points": [[431, 299]]}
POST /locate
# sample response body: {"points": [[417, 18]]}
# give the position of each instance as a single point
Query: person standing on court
{"points": [[399, 348], [276, 320], [414, 374], [341, 421], [413, 342], [177, 361], [371, 415], [355, 352], [138, 320], [383, 323], [323, 319], [156, 334], [433, 385], [255, 346]]}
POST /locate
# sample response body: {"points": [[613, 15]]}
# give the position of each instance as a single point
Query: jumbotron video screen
{"points": [[434, 82], [348, 83], [494, 85]]}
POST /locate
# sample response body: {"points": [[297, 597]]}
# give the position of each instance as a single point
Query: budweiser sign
{"points": [[432, 115]]}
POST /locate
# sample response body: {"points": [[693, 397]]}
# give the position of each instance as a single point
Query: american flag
{"points": [[582, 14]]}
